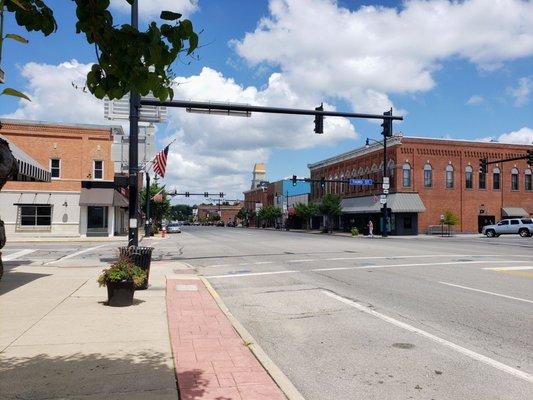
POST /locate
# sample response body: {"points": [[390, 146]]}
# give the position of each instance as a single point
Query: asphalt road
{"points": [[361, 318]]}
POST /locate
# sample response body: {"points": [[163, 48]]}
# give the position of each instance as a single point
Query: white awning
{"points": [[397, 202], [29, 169], [517, 212]]}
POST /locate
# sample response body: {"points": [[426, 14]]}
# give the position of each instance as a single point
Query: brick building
{"points": [[227, 212], [429, 177], [80, 198]]}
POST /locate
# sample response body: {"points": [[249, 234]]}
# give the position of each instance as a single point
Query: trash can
{"points": [[140, 256]]}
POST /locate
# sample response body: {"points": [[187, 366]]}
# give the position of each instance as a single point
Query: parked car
{"points": [[173, 228], [220, 223], [521, 226]]}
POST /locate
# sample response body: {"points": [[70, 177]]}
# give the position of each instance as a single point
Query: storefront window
{"points": [[35, 216]]}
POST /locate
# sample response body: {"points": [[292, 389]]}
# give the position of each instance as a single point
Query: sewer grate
{"points": [[186, 288]]}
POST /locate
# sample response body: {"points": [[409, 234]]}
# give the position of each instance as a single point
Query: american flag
{"points": [[160, 163]]}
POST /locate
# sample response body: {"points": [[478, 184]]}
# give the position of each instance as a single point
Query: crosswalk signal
{"points": [[387, 124], [319, 120], [323, 182], [483, 165], [530, 157], [187, 194], [294, 180]]}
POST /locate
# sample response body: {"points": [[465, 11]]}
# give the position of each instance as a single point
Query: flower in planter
{"points": [[122, 270]]}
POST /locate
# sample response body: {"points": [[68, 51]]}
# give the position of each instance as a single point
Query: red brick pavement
{"points": [[211, 359]]}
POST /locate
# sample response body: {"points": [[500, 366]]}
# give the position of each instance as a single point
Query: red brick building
{"points": [[227, 212], [429, 177]]}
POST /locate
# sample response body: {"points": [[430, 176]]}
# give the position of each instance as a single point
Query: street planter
{"points": [[120, 294], [121, 280]]}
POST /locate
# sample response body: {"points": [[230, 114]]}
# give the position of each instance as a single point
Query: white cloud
{"points": [[149, 9], [521, 136], [521, 92], [364, 55], [475, 100]]}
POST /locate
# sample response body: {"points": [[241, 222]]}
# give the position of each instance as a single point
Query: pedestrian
{"points": [[370, 229]]}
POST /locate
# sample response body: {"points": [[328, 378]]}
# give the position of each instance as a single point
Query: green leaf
{"points": [[169, 15], [193, 43], [16, 37], [16, 93], [19, 4]]}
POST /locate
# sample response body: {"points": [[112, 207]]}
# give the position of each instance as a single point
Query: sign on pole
{"points": [[386, 180], [120, 109], [382, 198], [361, 182]]}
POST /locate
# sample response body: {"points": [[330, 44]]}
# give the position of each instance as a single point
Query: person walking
{"points": [[370, 229]]}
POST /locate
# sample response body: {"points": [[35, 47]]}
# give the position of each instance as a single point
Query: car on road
{"points": [[521, 226], [173, 228]]}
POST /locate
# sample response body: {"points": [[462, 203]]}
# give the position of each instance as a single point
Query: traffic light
{"points": [[294, 180], [319, 120], [221, 194], [483, 165], [530, 157], [187, 194], [323, 182], [387, 125], [206, 194]]}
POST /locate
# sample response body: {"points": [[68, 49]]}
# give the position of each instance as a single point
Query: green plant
{"points": [[306, 212], [355, 231], [330, 207], [450, 218], [122, 270]]}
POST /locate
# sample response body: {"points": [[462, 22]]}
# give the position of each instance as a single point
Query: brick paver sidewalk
{"points": [[211, 360]]}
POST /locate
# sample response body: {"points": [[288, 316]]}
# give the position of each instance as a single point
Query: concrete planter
{"points": [[120, 294]]}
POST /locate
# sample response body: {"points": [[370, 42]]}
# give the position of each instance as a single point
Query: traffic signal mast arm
{"points": [[187, 194], [483, 162]]}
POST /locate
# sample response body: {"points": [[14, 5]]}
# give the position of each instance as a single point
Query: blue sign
{"points": [[361, 182]]}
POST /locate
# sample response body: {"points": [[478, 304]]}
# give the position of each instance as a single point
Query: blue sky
{"points": [[458, 70]]}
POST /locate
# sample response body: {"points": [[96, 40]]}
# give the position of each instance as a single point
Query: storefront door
{"points": [[96, 221]]}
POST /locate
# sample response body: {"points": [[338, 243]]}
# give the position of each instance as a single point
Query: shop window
{"points": [[469, 178], [406, 177], [428, 176], [407, 223], [55, 168], [527, 179], [33, 215], [98, 169], [449, 177], [514, 179], [496, 179]]}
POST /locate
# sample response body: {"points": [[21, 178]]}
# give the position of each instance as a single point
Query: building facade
{"points": [[427, 178], [80, 198], [226, 212]]}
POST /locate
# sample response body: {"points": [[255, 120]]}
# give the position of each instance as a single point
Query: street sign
{"points": [[385, 186], [385, 191], [120, 109], [383, 196], [386, 179], [383, 201], [361, 182]]}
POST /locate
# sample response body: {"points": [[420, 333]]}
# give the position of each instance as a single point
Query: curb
{"points": [[271, 368]]}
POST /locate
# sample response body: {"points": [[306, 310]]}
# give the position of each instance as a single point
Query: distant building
{"points": [[427, 178], [258, 175], [226, 212], [80, 199]]}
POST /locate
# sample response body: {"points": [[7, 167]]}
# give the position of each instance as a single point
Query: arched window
{"points": [[469, 177], [342, 183], [514, 179], [496, 178], [406, 175], [482, 179], [449, 176], [527, 179], [428, 176]]}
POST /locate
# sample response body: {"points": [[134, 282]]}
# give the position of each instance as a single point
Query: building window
{"points": [[98, 169], [496, 179], [469, 178], [527, 179], [35, 216], [449, 177], [428, 176], [514, 179], [482, 180], [406, 171], [55, 168]]}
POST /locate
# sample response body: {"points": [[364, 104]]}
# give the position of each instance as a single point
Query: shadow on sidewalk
{"points": [[141, 375], [13, 280]]}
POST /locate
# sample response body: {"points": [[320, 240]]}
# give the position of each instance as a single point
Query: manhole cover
{"points": [[186, 288], [403, 345]]}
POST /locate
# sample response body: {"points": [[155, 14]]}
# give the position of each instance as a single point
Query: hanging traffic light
{"points": [[319, 120], [483, 165], [323, 182], [294, 180], [387, 124], [530, 157], [221, 194], [206, 194], [187, 194]]}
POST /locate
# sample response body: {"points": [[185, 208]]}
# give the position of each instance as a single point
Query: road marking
{"points": [[77, 253], [216, 265], [251, 274], [411, 265], [18, 254], [484, 291], [421, 256], [263, 262], [469, 353], [301, 261], [510, 268]]}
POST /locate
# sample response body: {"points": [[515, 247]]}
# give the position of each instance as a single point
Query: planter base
{"points": [[120, 294]]}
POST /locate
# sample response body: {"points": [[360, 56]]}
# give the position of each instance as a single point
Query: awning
{"points": [[509, 212], [397, 202], [29, 169], [102, 197], [33, 198]]}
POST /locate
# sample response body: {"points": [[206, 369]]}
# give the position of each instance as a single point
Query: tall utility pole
{"points": [[387, 132], [133, 239]]}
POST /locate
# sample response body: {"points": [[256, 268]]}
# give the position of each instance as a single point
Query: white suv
{"points": [[522, 226]]}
